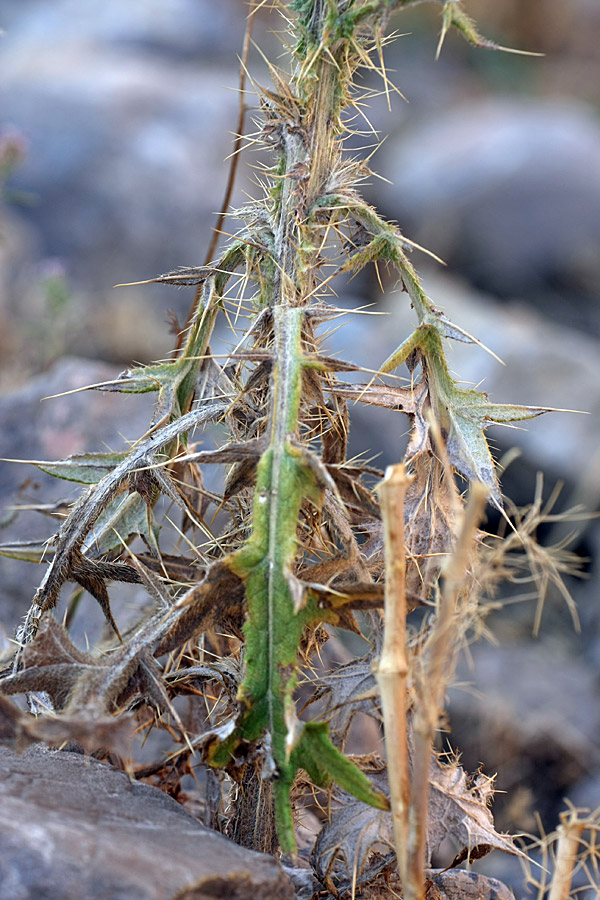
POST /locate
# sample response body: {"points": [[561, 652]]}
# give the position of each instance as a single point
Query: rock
{"points": [[533, 715], [75, 828], [177, 28], [127, 115], [509, 193], [459, 884], [125, 156]]}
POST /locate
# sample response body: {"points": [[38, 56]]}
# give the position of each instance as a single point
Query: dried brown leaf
{"points": [[217, 602], [458, 809], [429, 527], [348, 690], [461, 884]]}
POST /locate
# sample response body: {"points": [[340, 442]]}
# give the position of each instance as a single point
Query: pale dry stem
{"points": [[392, 671], [569, 835], [431, 688]]}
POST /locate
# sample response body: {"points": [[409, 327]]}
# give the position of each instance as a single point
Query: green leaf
{"points": [[86, 468], [26, 551], [470, 413], [462, 414], [124, 516], [325, 763]]}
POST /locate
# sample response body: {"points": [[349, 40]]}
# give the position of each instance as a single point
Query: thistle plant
{"points": [[294, 542]]}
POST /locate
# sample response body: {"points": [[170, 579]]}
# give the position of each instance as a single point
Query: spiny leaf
{"points": [[458, 809], [27, 551], [87, 468], [463, 414], [324, 763], [454, 16], [122, 517], [92, 506], [348, 690], [470, 414]]}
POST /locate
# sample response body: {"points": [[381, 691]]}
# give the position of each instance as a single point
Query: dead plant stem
{"points": [[431, 688], [569, 835], [392, 671]]}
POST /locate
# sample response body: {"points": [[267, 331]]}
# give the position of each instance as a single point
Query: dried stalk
{"points": [[431, 689], [569, 835], [392, 670]]}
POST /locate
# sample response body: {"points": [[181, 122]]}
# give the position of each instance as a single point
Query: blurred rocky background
{"points": [[115, 122]]}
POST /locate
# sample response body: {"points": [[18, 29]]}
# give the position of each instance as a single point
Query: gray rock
{"points": [[75, 828], [509, 191], [127, 113], [532, 712], [125, 156], [179, 28]]}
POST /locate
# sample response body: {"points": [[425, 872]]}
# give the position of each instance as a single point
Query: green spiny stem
{"points": [[273, 629], [276, 622]]}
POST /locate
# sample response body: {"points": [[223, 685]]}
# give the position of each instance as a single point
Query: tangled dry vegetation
{"points": [[245, 581]]}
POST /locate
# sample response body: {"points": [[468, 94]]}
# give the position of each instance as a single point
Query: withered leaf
{"points": [[458, 809], [354, 829], [234, 452], [348, 690], [379, 395], [176, 568], [89, 729], [93, 575], [50, 663], [335, 438], [181, 277], [240, 476], [84, 686], [10, 718], [212, 382], [218, 601], [352, 492], [330, 364], [460, 884], [92, 730], [227, 672], [429, 527]]}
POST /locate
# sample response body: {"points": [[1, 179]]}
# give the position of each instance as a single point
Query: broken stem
{"points": [[431, 687], [569, 835], [393, 669]]}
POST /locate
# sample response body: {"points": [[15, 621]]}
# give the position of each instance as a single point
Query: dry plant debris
{"points": [[295, 541]]}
